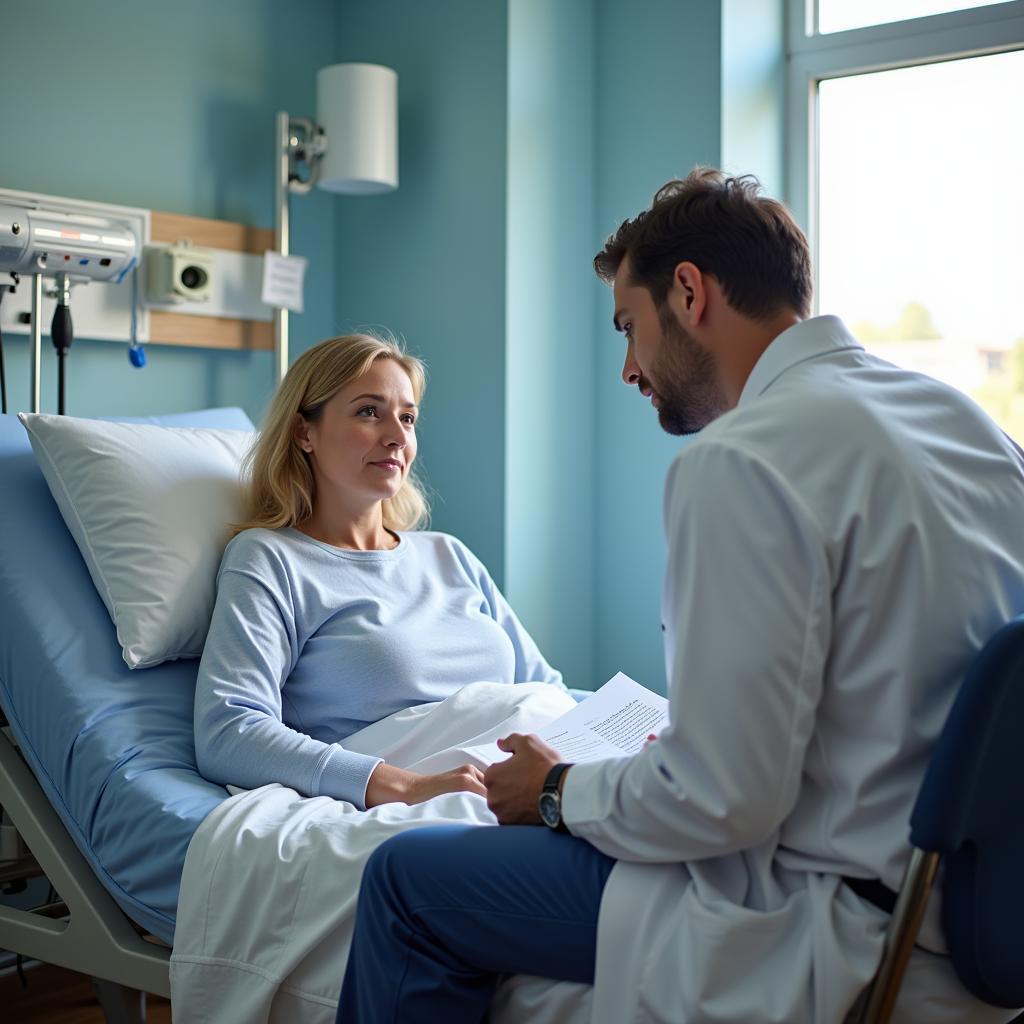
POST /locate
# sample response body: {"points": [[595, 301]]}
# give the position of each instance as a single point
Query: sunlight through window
{"points": [[921, 221]]}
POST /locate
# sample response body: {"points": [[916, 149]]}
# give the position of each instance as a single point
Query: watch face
{"points": [[550, 809]]}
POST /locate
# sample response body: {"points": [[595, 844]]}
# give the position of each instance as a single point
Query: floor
{"points": [[58, 996]]}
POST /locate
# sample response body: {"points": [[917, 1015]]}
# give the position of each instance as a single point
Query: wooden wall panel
{"points": [[210, 331], [214, 234]]}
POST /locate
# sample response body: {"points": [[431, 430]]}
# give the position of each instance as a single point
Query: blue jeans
{"points": [[443, 911]]}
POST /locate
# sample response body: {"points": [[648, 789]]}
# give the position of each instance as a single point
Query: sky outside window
{"points": [[921, 221]]}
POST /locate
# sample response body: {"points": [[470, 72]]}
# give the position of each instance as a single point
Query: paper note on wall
{"points": [[282, 280]]}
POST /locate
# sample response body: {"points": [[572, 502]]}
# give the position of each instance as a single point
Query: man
{"points": [[843, 536]]}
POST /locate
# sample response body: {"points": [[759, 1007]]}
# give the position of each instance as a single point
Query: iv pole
{"points": [[281, 241], [291, 148], [37, 342]]}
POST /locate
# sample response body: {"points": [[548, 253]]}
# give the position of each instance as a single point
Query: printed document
{"points": [[615, 721]]}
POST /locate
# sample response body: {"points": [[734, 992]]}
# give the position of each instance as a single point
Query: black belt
{"points": [[872, 890]]}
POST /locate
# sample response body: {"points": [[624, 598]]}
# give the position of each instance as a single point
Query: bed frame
{"points": [[92, 935]]}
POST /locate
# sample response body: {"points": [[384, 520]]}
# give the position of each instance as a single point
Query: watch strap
{"points": [[554, 777], [550, 787]]}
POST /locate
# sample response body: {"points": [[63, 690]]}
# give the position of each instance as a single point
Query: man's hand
{"points": [[514, 785]]}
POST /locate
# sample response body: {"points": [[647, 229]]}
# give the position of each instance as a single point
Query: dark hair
{"points": [[749, 243]]}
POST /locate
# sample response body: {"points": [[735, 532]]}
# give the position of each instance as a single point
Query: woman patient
{"points": [[333, 611]]}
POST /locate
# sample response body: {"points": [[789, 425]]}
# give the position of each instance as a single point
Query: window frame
{"points": [[813, 57]]}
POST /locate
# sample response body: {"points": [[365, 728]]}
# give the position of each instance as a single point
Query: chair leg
{"points": [[877, 1002], [120, 1005]]}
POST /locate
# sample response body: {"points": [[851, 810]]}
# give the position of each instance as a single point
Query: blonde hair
{"points": [[279, 479]]}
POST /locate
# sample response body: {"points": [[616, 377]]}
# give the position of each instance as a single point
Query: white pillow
{"points": [[149, 508]]}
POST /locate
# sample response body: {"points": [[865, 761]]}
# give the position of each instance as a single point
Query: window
{"points": [[907, 174], [839, 15]]}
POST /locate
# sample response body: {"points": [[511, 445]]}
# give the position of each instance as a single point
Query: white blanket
{"points": [[269, 889]]}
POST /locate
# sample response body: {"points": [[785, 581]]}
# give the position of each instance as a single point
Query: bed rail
{"points": [[97, 939]]}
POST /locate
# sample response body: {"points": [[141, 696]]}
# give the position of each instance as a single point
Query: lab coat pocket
{"points": [[802, 958], [727, 962]]}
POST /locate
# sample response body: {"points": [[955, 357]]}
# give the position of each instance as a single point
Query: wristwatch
{"points": [[550, 803]]}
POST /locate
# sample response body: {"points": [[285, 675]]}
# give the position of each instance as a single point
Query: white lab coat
{"points": [[839, 546]]}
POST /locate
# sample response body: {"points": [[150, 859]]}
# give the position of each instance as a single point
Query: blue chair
{"points": [[970, 813]]}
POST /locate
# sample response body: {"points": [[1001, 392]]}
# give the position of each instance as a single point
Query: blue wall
{"points": [[753, 90], [658, 92], [529, 129], [428, 261], [170, 107], [549, 384]]}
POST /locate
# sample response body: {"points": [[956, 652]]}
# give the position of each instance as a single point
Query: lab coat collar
{"points": [[819, 336]]}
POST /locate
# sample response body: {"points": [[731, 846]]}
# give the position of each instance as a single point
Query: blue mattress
{"points": [[111, 747]]}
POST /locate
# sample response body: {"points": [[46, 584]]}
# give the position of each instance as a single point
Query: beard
{"points": [[685, 379]]}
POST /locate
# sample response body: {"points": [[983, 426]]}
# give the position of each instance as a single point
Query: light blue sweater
{"points": [[310, 643]]}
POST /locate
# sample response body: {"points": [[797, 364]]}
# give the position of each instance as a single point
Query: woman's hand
{"points": [[389, 784]]}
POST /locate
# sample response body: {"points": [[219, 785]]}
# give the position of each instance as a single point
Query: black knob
{"points": [[60, 329]]}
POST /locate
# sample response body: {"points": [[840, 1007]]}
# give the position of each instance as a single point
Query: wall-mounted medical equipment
{"points": [[232, 317], [177, 273], [72, 245], [86, 248], [351, 147]]}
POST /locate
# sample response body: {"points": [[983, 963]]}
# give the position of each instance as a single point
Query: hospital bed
{"points": [[97, 763], [97, 766]]}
